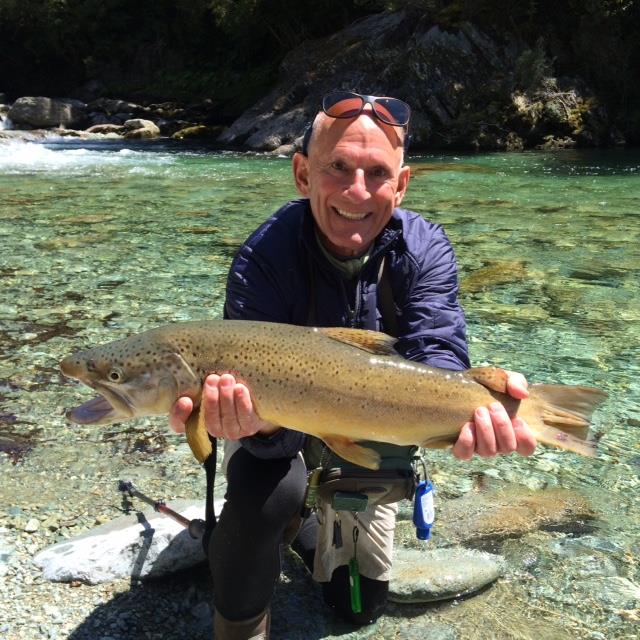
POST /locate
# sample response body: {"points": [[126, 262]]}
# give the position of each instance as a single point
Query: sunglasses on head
{"points": [[348, 104]]}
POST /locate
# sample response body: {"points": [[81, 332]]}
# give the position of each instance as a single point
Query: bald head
{"points": [[327, 128]]}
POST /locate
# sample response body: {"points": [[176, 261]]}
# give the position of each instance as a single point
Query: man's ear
{"points": [[403, 183], [301, 173]]}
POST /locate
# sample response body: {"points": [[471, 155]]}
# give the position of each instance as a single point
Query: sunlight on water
{"points": [[99, 242]]}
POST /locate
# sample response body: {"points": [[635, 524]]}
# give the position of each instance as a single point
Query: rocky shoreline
{"points": [[33, 118], [469, 90]]}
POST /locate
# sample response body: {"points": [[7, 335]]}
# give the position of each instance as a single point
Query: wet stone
{"points": [[613, 592], [441, 574], [512, 512]]}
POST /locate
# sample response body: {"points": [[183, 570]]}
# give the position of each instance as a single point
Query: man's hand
{"points": [[228, 408], [493, 432]]}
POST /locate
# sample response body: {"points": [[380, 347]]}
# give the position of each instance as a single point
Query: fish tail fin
{"points": [[560, 415]]}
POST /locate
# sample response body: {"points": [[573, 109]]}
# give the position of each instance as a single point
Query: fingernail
{"points": [[495, 406]]}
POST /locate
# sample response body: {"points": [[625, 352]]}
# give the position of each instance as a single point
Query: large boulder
{"points": [[144, 545], [429, 575], [140, 129], [465, 87], [41, 112]]}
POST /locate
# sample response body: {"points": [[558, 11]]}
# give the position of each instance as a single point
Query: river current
{"points": [[101, 241]]}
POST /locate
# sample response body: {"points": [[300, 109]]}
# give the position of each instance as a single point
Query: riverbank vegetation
{"points": [[228, 51]]}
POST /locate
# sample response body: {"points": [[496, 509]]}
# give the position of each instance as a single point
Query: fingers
{"points": [[465, 446], [228, 408], [524, 436], [180, 412], [492, 432], [227, 419], [517, 385]]}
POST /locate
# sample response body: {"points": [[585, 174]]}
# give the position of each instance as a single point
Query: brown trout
{"points": [[340, 385]]}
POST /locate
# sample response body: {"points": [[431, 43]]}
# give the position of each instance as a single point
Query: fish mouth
{"points": [[110, 406]]}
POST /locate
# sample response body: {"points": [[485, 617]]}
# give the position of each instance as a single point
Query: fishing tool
{"points": [[354, 572], [423, 508], [195, 527]]}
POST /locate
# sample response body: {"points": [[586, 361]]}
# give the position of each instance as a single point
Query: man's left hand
{"points": [[492, 431]]}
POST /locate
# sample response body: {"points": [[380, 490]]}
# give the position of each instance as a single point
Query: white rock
{"points": [[31, 526], [126, 547]]}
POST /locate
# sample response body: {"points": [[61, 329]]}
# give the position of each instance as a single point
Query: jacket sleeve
{"points": [[253, 293], [432, 320]]}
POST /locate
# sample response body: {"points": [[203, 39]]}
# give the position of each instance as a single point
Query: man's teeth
{"points": [[352, 216]]}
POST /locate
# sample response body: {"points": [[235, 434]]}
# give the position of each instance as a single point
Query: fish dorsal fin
{"points": [[493, 378], [372, 341]]}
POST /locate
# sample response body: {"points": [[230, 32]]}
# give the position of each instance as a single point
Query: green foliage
{"points": [[533, 67]]}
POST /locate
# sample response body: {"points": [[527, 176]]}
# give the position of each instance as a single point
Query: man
{"points": [[321, 261]]}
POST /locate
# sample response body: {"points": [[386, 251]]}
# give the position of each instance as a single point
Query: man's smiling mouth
{"points": [[350, 215]]}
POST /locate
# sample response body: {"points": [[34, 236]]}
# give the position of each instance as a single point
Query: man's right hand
{"points": [[228, 408]]}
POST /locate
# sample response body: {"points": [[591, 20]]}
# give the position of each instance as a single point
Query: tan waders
{"points": [[256, 628]]}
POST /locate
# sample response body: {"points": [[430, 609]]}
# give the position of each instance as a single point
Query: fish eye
{"points": [[115, 375]]}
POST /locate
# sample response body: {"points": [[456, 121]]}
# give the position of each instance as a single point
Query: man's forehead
{"points": [[364, 130]]}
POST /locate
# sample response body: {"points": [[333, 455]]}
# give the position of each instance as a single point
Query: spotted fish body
{"points": [[341, 385]]}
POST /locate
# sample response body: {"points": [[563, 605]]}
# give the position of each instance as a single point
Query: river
{"points": [[100, 241]]}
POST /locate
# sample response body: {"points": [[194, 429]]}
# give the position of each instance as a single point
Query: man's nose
{"points": [[357, 190]]}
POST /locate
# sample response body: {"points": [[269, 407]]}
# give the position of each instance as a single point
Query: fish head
{"points": [[135, 377]]}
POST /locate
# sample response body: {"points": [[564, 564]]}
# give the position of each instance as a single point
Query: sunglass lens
{"points": [[392, 111], [342, 105]]}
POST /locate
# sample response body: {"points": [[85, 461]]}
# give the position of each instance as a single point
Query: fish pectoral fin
{"points": [[349, 450], [439, 443], [197, 435], [493, 378], [372, 341]]}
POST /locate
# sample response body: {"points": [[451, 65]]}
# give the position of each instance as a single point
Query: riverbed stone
{"points": [[39, 111], [195, 131], [483, 519], [441, 574], [142, 545], [139, 128], [106, 128], [613, 592]]}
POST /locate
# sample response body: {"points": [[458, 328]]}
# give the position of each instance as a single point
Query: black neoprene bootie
{"points": [[256, 628]]}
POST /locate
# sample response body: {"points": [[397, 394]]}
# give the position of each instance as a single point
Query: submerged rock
{"points": [[493, 274], [142, 545], [613, 592], [485, 519], [512, 512], [441, 574]]}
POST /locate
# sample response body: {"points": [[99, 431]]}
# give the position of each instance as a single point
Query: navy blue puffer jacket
{"points": [[281, 275]]}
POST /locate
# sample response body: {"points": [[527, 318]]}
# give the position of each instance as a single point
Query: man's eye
{"points": [[338, 166], [379, 172]]}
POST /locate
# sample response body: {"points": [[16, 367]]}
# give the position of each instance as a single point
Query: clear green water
{"points": [[98, 243]]}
